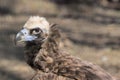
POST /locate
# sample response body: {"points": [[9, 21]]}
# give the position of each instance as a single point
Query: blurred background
{"points": [[91, 28]]}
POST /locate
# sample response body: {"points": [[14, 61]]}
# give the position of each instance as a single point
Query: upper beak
{"points": [[24, 36], [19, 37]]}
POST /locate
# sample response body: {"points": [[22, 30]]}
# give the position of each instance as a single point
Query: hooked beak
{"points": [[24, 36]]}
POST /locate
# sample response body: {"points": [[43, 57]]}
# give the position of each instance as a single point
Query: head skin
{"points": [[36, 21]]}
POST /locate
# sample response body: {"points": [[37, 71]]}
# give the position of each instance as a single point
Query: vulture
{"points": [[41, 41]]}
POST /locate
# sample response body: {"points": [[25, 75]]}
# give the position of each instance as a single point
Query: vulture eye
{"points": [[35, 31]]}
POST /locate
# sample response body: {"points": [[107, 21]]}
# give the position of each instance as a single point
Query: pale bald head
{"points": [[36, 21], [36, 28]]}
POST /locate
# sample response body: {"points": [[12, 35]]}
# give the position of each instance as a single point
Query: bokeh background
{"points": [[91, 28]]}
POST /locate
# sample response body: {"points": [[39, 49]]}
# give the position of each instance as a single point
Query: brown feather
{"points": [[49, 76], [50, 58]]}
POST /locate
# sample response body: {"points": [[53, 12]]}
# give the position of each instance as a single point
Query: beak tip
{"points": [[17, 38]]}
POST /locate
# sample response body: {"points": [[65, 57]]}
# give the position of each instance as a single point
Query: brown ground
{"points": [[94, 35]]}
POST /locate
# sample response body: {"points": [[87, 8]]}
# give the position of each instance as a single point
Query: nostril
{"points": [[24, 31]]}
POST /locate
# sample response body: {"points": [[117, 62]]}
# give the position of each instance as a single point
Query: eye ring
{"points": [[36, 31]]}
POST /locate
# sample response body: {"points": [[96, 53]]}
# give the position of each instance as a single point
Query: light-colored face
{"points": [[35, 28]]}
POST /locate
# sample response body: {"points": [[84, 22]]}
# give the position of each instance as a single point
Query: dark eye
{"points": [[35, 31]]}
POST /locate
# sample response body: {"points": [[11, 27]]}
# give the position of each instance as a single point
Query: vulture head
{"points": [[35, 29]]}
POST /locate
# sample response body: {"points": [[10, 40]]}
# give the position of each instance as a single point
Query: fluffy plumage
{"points": [[49, 76], [51, 58], [36, 21], [48, 57]]}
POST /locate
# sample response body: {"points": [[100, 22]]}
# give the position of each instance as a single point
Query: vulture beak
{"points": [[24, 36]]}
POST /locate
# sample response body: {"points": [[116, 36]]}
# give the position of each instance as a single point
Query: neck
{"points": [[49, 47], [31, 50], [33, 47]]}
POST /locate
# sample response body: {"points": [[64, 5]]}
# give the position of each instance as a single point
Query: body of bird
{"points": [[47, 56]]}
